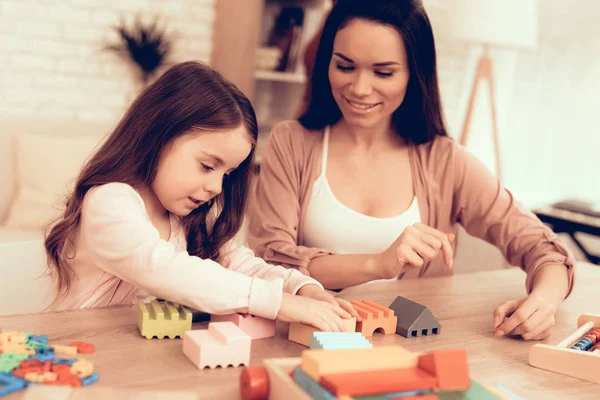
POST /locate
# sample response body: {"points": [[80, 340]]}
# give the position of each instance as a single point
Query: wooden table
{"points": [[463, 305]]}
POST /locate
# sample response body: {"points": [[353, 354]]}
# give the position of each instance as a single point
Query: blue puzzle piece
{"points": [[68, 361], [44, 354], [10, 383], [40, 338], [93, 378]]}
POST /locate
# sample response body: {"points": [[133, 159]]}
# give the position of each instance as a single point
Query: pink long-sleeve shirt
{"points": [[120, 257], [452, 187]]}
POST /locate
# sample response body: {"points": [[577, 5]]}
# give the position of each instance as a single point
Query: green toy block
{"points": [[475, 392], [162, 319]]}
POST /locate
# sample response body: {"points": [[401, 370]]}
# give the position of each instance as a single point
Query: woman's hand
{"points": [[531, 317], [315, 292], [416, 245]]}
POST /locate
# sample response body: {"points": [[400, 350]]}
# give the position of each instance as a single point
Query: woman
{"points": [[368, 185]]}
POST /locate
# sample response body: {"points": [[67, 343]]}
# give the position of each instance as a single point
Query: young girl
{"points": [[155, 211], [367, 184]]}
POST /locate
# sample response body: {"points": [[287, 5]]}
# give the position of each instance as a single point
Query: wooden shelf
{"points": [[275, 76]]}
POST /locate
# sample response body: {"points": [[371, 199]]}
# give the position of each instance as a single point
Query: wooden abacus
{"points": [[564, 358]]}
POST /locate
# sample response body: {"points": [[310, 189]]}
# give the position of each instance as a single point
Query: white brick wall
{"points": [[52, 65]]}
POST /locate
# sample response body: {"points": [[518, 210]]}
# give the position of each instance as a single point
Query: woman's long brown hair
{"points": [[188, 96]]}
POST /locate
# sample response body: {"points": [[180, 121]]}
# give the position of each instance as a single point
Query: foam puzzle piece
{"points": [[162, 320], [222, 344], [10, 384], [302, 334], [339, 340], [413, 319], [378, 381], [374, 317], [450, 367], [256, 327], [323, 362]]}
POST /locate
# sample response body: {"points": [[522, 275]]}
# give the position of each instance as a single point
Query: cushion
{"points": [[46, 167]]}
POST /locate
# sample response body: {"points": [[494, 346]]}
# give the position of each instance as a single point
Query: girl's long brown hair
{"points": [[188, 96]]}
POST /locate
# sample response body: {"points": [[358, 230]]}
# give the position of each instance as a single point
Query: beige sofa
{"points": [[39, 161]]}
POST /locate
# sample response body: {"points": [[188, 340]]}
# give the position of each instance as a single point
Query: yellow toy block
{"points": [[82, 368], [301, 333], [64, 351], [160, 320], [320, 362]]}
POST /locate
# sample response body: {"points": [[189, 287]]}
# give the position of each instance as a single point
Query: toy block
{"points": [[339, 340], [502, 393], [450, 367], [569, 361], [60, 350], [475, 392], [377, 381], [160, 320], [10, 384], [413, 319], [40, 377], [223, 343], [17, 348], [312, 387], [281, 382], [255, 327], [302, 333], [254, 383], [374, 318], [322, 362], [10, 361]]}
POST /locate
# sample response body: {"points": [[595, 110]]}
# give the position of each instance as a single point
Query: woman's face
{"points": [[368, 72]]}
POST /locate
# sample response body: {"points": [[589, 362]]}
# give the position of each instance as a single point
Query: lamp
{"points": [[497, 23]]}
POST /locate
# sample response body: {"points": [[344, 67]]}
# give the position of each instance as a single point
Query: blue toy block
{"points": [[339, 340], [10, 383], [93, 378], [311, 387]]}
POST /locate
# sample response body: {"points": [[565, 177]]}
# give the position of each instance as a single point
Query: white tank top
{"points": [[332, 225]]}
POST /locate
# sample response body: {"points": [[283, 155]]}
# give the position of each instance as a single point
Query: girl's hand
{"points": [[322, 315], [315, 292], [417, 244], [531, 317]]}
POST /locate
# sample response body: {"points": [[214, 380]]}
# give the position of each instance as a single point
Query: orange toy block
{"points": [[450, 367], [374, 317], [223, 343], [255, 327], [378, 381], [316, 363], [301, 333]]}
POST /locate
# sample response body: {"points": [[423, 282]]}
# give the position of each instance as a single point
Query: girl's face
{"points": [[368, 72], [191, 169]]}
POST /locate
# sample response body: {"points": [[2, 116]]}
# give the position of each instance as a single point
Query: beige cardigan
{"points": [[452, 187]]}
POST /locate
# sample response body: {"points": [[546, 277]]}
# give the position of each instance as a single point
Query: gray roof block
{"points": [[414, 319]]}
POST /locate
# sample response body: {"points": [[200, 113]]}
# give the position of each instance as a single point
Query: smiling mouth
{"points": [[361, 106]]}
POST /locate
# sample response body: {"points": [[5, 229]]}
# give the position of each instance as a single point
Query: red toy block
{"points": [[374, 317], [254, 383], [378, 381], [255, 327], [450, 367]]}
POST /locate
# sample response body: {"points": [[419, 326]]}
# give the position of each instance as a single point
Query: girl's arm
{"points": [[241, 259], [118, 236]]}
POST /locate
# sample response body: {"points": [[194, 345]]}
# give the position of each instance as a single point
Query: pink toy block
{"points": [[256, 327], [222, 344]]}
